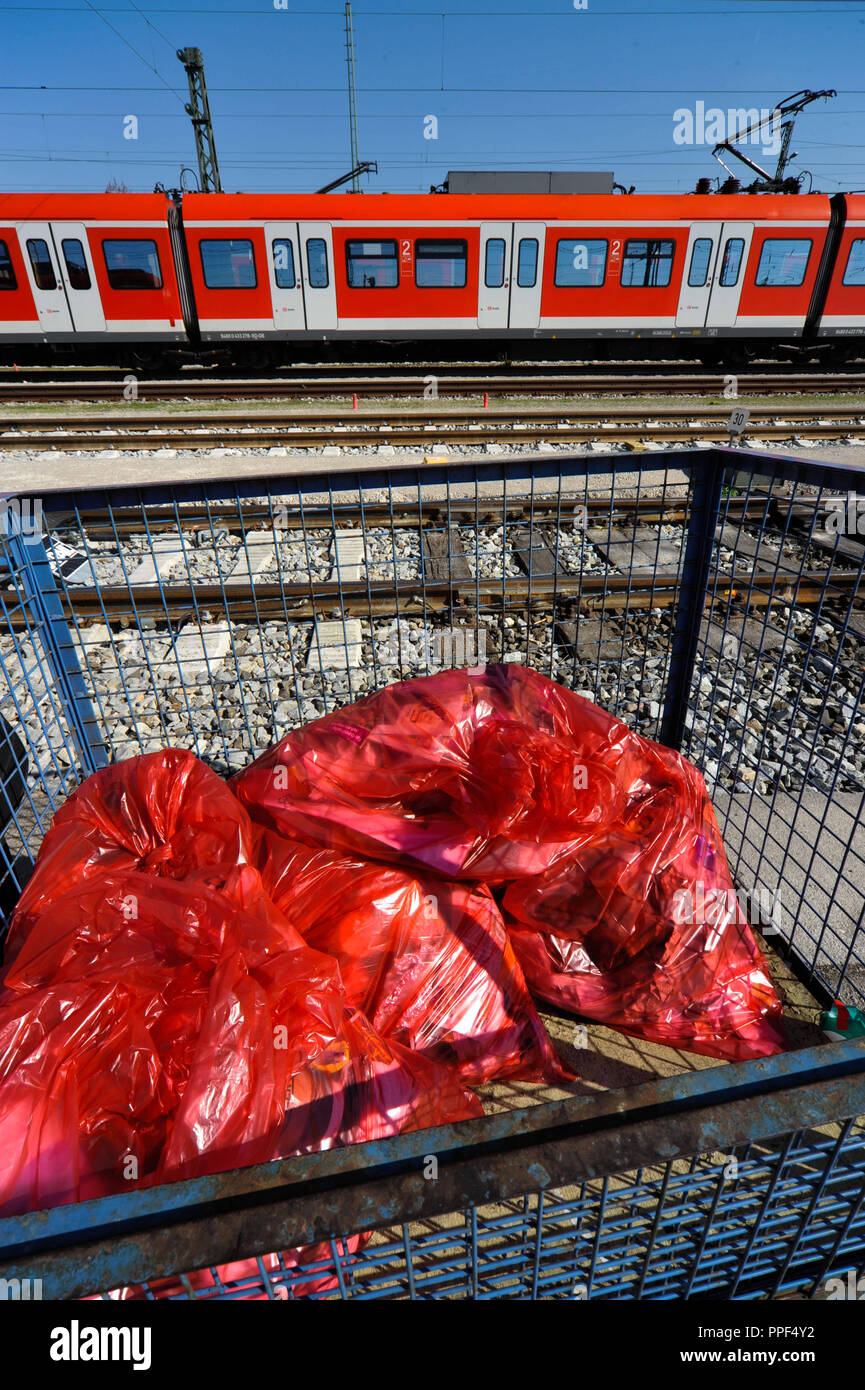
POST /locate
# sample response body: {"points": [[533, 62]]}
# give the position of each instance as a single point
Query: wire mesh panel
{"points": [[685, 1188], [782, 1217], [777, 722], [48, 728], [217, 617]]}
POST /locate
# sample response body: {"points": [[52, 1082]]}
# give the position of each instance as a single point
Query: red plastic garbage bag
{"points": [[154, 1027], [362, 1087], [486, 774], [257, 1089], [503, 775], [675, 961], [162, 813], [427, 960], [102, 1018]]}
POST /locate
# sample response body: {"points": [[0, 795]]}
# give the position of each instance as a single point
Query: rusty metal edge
{"points": [[102, 1244]]}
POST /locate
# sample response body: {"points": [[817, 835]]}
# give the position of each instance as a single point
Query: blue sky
{"points": [[511, 86]]}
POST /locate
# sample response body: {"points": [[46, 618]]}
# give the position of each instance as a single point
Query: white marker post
{"points": [[737, 422]]}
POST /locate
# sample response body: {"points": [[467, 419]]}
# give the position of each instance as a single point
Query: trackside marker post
{"points": [[737, 422]]}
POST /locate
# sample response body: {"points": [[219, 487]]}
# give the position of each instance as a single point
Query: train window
{"points": [[7, 274], [40, 259], [853, 275], [132, 264], [316, 263], [783, 261], [732, 262], [76, 264], [439, 263], [700, 258], [228, 263], [494, 264], [372, 264], [527, 262], [580, 263], [647, 263], [283, 263]]}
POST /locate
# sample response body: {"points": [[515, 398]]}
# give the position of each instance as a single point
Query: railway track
{"points": [[319, 598], [316, 600], [383, 366], [239, 519], [448, 587], [362, 429], [339, 384]]}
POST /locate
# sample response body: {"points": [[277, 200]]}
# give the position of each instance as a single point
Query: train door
{"points": [[317, 274], [43, 273], [729, 274], [698, 274], [494, 275], [284, 271], [526, 274], [76, 268]]}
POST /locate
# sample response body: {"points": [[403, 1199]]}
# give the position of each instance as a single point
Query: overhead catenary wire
{"points": [[783, 7], [152, 26], [133, 49]]}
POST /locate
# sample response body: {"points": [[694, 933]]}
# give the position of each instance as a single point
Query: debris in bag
{"points": [[593, 838], [427, 960]]}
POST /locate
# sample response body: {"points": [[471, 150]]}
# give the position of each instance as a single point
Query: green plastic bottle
{"points": [[843, 1021]]}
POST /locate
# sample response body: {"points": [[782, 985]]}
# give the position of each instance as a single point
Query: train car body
{"points": [[231, 275], [386, 266], [79, 269]]}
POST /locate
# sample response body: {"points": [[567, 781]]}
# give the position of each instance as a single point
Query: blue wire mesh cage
{"points": [[714, 600]]}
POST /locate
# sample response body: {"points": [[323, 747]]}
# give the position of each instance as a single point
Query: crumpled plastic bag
{"points": [[680, 967], [643, 930], [487, 774], [154, 1028], [427, 960], [585, 830], [164, 814]]}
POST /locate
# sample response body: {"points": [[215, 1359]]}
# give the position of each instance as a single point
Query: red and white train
{"points": [[273, 277]]}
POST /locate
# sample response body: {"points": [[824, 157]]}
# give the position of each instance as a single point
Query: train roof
{"points": [[445, 207], [470, 207], [855, 207], [82, 207]]}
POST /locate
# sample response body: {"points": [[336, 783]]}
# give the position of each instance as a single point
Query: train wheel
{"points": [[146, 360], [742, 355]]}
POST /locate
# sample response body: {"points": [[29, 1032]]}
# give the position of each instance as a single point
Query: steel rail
{"points": [[362, 429], [241, 518], [28, 391], [582, 592]]}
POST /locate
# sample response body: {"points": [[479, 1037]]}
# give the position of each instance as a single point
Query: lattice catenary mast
{"points": [[198, 108]]}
